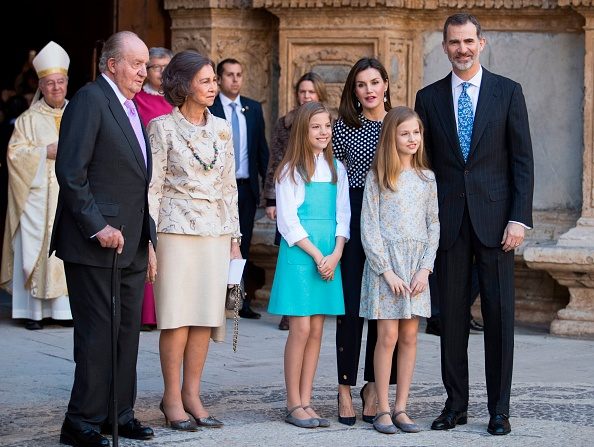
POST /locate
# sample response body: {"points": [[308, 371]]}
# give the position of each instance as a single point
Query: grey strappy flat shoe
{"points": [[388, 429], [408, 428], [323, 422], [301, 423]]}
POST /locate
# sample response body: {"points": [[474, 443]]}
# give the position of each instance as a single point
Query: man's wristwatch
{"points": [[236, 239]]}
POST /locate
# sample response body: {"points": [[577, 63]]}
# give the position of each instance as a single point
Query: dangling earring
{"points": [[358, 104], [385, 96]]}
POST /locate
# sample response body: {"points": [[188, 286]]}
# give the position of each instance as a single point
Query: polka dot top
{"points": [[356, 147]]}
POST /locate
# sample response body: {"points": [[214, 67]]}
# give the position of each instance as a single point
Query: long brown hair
{"points": [[386, 163], [299, 158], [348, 110]]}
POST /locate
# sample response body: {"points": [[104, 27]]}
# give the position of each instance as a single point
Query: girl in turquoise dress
{"points": [[313, 216], [400, 236]]}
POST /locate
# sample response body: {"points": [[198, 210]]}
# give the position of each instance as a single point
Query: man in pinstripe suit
{"points": [[478, 142]]}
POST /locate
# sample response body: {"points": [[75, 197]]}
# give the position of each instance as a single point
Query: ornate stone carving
{"points": [[190, 40], [202, 4], [399, 66], [254, 53], [576, 3], [416, 4]]}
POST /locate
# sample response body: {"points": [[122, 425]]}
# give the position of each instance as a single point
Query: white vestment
{"points": [[36, 281]]}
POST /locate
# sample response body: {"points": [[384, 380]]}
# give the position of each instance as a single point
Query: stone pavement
{"points": [[552, 396]]}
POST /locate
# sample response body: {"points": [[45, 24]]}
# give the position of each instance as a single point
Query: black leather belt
{"points": [[243, 181]]}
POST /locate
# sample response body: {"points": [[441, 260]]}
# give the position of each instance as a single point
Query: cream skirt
{"points": [[192, 282]]}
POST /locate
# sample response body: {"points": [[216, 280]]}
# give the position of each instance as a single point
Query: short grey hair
{"points": [[112, 48], [160, 53]]}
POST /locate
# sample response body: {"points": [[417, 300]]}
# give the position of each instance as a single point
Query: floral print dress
{"points": [[399, 231]]}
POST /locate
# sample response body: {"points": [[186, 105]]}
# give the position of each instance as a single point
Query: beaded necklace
{"points": [[209, 166], [206, 166]]}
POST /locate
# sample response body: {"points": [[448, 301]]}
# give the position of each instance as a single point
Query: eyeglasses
{"points": [[158, 68]]}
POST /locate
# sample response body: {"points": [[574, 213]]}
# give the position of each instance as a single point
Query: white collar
{"points": [[225, 100], [115, 88], [475, 80], [147, 88]]}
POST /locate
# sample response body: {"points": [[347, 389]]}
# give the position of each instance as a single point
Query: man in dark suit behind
{"points": [[251, 153], [103, 167], [478, 142]]}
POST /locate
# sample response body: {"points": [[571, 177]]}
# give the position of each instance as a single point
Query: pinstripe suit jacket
{"points": [[496, 182]]}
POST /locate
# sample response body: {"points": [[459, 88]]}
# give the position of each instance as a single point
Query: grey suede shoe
{"points": [[408, 428], [388, 429], [323, 422], [301, 423]]}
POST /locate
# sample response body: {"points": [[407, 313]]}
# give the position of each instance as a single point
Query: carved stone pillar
{"points": [[571, 260], [223, 29]]}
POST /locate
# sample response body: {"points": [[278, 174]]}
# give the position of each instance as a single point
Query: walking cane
{"points": [[114, 346]]}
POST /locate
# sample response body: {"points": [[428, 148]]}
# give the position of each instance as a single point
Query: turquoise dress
{"points": [[298, 289]]}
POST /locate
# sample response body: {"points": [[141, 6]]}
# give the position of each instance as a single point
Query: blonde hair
{"points": [[299, 156], [386, 163]]}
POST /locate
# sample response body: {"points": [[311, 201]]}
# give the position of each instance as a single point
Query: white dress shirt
{"points": [[472, 90], [241, 171], [290, 196]]}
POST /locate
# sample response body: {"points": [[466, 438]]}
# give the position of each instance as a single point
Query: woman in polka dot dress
{"points": [[364, 103]]}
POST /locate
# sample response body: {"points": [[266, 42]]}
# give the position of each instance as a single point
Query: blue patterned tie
{"points": [[465, 120], [236, 135]]}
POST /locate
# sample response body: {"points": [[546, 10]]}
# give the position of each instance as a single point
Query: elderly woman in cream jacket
{"points": [[193, 199]]}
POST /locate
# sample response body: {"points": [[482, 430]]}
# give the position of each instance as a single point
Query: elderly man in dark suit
{"points": [[103, 167], [251, 152], [478, 142]]}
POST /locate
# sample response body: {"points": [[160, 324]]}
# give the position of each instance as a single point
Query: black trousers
{"points": [[247, 212], [433, 287], [89, 290], [349, 327], [496, 282], [247, 205]]}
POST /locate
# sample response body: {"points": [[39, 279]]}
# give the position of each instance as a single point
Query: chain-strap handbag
{"points": [[235, 294], [234, 302]]}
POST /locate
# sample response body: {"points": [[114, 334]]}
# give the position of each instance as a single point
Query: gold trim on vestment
{"points": [[49, 71]]}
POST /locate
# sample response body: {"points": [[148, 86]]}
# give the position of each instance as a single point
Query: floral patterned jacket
{"points": [[193, 188]]}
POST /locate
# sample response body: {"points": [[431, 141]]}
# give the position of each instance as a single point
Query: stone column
{"points": [[571, 260], [226, 28]]}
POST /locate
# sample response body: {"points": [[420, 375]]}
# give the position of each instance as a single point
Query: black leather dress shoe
{"points": [[81, 438], [475, 326], [448, 419], [133, 429], [247, 312], [33, 325], [499, 425], [284, 323]]}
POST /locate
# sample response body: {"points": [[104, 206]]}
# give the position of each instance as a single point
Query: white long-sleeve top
{"points": [[290, 196]]}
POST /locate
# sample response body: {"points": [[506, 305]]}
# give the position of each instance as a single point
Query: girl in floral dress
{"points": [[400, 236]]}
